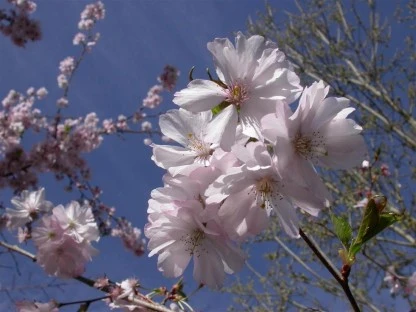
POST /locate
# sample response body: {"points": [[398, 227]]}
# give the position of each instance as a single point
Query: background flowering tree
{"points": [[246, 158], [365, 52]]}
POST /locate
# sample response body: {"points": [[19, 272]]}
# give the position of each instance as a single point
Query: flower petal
{"points": [[200, 95]]}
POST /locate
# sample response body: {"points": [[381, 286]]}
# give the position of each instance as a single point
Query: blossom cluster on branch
{"points": [[243, 156]]}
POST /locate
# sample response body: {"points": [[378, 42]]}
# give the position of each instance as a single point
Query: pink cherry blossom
{"points": [[318, 133], [253, 74], [131, 236], [195, 132], [193, 234], [77, 221], [26, 6], [67, 66], [79, 38], [92, 13], [62, 241], [65, 258], [153, 98], [27, 207], [47, 231], [41, 93], [259, 183], [129, 288]]}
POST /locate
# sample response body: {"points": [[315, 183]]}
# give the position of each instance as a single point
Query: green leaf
{"points": [[373, 223], [384, 221], [342, 229], [370, 219]]}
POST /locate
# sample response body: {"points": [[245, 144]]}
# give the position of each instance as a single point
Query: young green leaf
{"points": [[373, 223], [342, 229]]}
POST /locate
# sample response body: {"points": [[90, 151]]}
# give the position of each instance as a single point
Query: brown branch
{"points": [[87, 281], [341, 279]]}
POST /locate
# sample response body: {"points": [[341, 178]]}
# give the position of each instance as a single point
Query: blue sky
{"points": [[138, 38]]}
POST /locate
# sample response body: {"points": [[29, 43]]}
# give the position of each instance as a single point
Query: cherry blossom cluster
{"points": [[248, 147], [58, 145], [60, 152], [63, 235], [167, 81], [130, 236], [18, 25], [89, 17]]}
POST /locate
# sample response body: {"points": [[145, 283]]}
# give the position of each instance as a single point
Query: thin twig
{"points": [[87, 281], [343, 281]]}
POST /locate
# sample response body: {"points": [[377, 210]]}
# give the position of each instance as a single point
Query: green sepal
{"points": [[217, 109]]}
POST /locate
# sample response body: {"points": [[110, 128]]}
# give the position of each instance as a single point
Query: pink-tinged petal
{"points": [[286, 215], [173, 262], [158, 241], [284, 86], [249, 51], [234, 181], [241, 216], [234, 210], [185, 170], [278, 125], [166, 156], [304, 185], [208, 267], [327, 110], [221, 62], [254, 155], [175, 125], [341, 127], [232, 257], [344, 113], [252, 112], [200, 95], [311, 200], [270, 61], [286, 157], [311, 98], [223, 127], [344, 152]]}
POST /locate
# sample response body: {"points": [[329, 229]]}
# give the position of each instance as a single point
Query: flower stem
{"points": [[341, 279]]}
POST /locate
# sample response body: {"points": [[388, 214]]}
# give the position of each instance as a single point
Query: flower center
{"points": [[51, 235], [266, 190], [310, 147], [72, 225], [237, 93], [201, 148], [193, 241]]}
